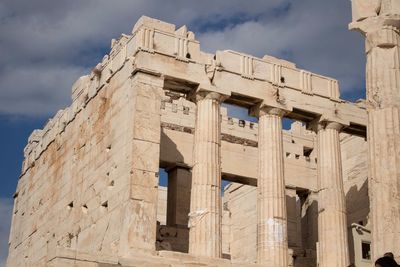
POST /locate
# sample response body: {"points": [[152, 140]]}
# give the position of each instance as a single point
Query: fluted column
{"points": [[383, 94], [272, 242], [205, 206], [382, 34], [332, 221]]}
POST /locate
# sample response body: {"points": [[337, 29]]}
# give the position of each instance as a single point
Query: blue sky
{"points": [[46, 45]]}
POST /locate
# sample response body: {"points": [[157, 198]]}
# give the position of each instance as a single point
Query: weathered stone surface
{"points": [[272, 243], [89, 190], [332, 219], [205, 215], [382, 35]]}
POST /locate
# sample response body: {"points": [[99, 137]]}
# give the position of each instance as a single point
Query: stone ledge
{"points": [[69, 257]]}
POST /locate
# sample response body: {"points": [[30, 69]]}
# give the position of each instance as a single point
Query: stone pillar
{"points": [[332, 219], [139, 225], [272, 242], [383, 106], [383, 94], [178, 204], [205, 205]]}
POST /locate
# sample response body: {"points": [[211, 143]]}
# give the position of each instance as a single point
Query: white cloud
{"points": [[6, 206], [46, 45], [312, 33], [37, 90]]}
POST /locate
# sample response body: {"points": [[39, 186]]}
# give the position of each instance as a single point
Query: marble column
{"points": [[205, 204], [332, 219], [272, 242], [382, 35], [383, 94]]}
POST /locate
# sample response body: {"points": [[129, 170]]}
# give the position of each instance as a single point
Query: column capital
{"points": [[203, 94], [272, 111], [332, 125], [264, 109], [374, 23], [325, 122], [385, 37]]}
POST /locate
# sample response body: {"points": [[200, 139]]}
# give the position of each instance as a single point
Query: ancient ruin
{"points": [[379, 22], [89, 191]]}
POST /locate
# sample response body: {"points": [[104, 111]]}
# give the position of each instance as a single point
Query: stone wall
{"points": [[82, 185], [76, 180]]}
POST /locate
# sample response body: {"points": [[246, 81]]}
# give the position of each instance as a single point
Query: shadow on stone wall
{"points": [[309, 230], [169, 151], [357, 204]]}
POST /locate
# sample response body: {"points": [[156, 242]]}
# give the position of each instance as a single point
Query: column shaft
{"points": [[332, 219], [205, 207], [383, 94], [272, 243]]}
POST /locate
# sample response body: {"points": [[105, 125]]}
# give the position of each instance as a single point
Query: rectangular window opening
{"points": [[366, 250], [307, 151]]}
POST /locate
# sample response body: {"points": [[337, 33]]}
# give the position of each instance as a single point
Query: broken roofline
{"points": [[155, 47]]}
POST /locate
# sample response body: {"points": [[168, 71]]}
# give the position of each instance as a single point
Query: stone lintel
{"points": [[192, 78], [145, 71], [149, 78]]}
